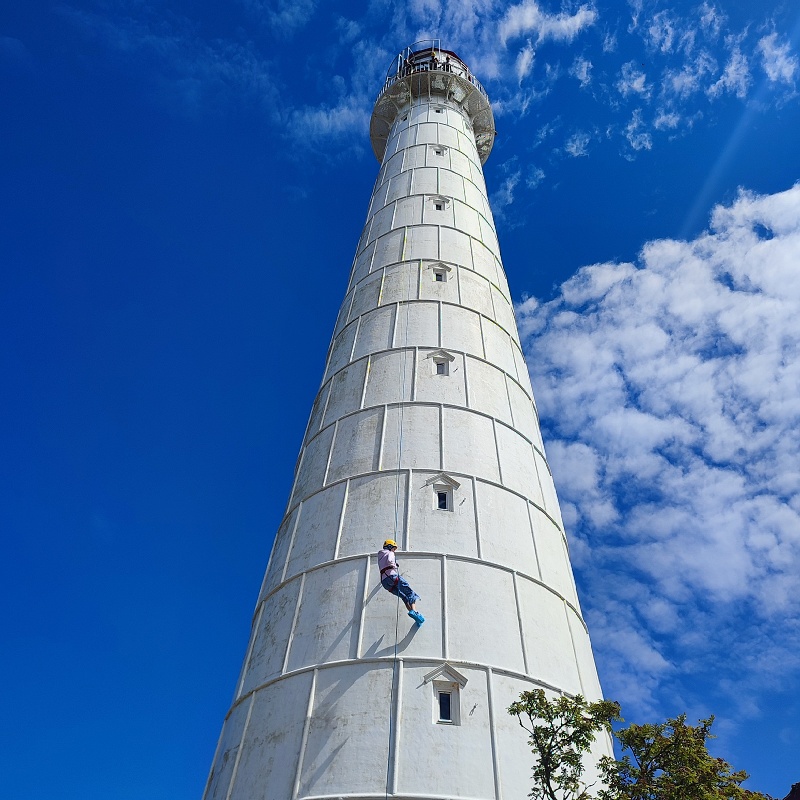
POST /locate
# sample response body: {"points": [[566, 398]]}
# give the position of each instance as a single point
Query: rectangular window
{"points": [[440, 277], [439, 206], [443, 501], [445, 707]]}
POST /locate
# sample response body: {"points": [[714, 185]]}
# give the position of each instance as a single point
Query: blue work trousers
{"points": [[399, 586]]}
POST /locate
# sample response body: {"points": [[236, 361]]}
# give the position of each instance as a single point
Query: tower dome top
{"points": [[424, 69]]}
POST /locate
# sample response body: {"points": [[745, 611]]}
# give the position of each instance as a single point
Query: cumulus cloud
{"points": [[777, 60], [668, 388], [527, 17]]}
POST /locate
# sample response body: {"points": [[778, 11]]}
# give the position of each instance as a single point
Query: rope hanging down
{"points": [[400, 419]]}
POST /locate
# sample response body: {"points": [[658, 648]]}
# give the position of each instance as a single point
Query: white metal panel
{"points": [[445, 760], [314, 539], [455, 247], [475, 292], [273, 742], [375, 511], [483, 624], [548, 643], [374, 331], [385, 613], [469, 445], [417, 325], [357, 444], [516, 463], [312, 467], [451, 532], [325, 628], [437, 388], [411, 437], [451, 184], [401, 281], [390, 377], [272, 638], [347, 758], [461, 330], [505, 528], [345, 393], [487, 390]]}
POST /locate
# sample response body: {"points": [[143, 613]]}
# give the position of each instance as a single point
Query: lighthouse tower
{"points": [[425, 431]]}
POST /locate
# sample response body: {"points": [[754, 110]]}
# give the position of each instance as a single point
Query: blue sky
{"points": [[183, 186]]}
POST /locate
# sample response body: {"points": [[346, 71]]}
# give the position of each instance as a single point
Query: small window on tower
{"points": [[438, 110], [445, 707], [439, 275], [444, 497], [438, 205], [441, 368]]}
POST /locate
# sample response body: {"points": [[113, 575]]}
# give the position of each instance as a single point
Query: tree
{"points": [[560, 732], [667, 761], [670, 761]]}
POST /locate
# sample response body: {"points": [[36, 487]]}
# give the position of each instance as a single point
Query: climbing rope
{"points": [[400, 419]]}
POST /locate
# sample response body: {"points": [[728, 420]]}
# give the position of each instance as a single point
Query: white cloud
{"points": [[284, 17], [504, 196], [524, 63], [638, 138], [670, 390], [578, 144], [661, 33], [636, 11], [777, 60], [183, 65], [582, 70], [535, 177], [633, 81], [688, 79], [528, 17], [666, 120], [711, 20], [735, 77], [330, 121]]}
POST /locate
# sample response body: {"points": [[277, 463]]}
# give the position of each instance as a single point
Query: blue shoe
{"points": [[417, 617]]}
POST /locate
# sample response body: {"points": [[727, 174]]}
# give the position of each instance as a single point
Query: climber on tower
{"points": [[392, 582]]}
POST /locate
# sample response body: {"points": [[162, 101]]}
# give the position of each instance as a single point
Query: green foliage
{"points": [[670, 761], [560, 732]]}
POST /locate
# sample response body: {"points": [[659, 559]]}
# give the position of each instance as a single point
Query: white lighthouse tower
{"points": [[425, 431]]}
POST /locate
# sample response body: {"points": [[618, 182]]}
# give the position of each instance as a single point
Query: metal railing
{"points": [[427, 56]]}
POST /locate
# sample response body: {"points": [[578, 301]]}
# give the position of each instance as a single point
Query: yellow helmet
{"points": [[390, 543]]}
